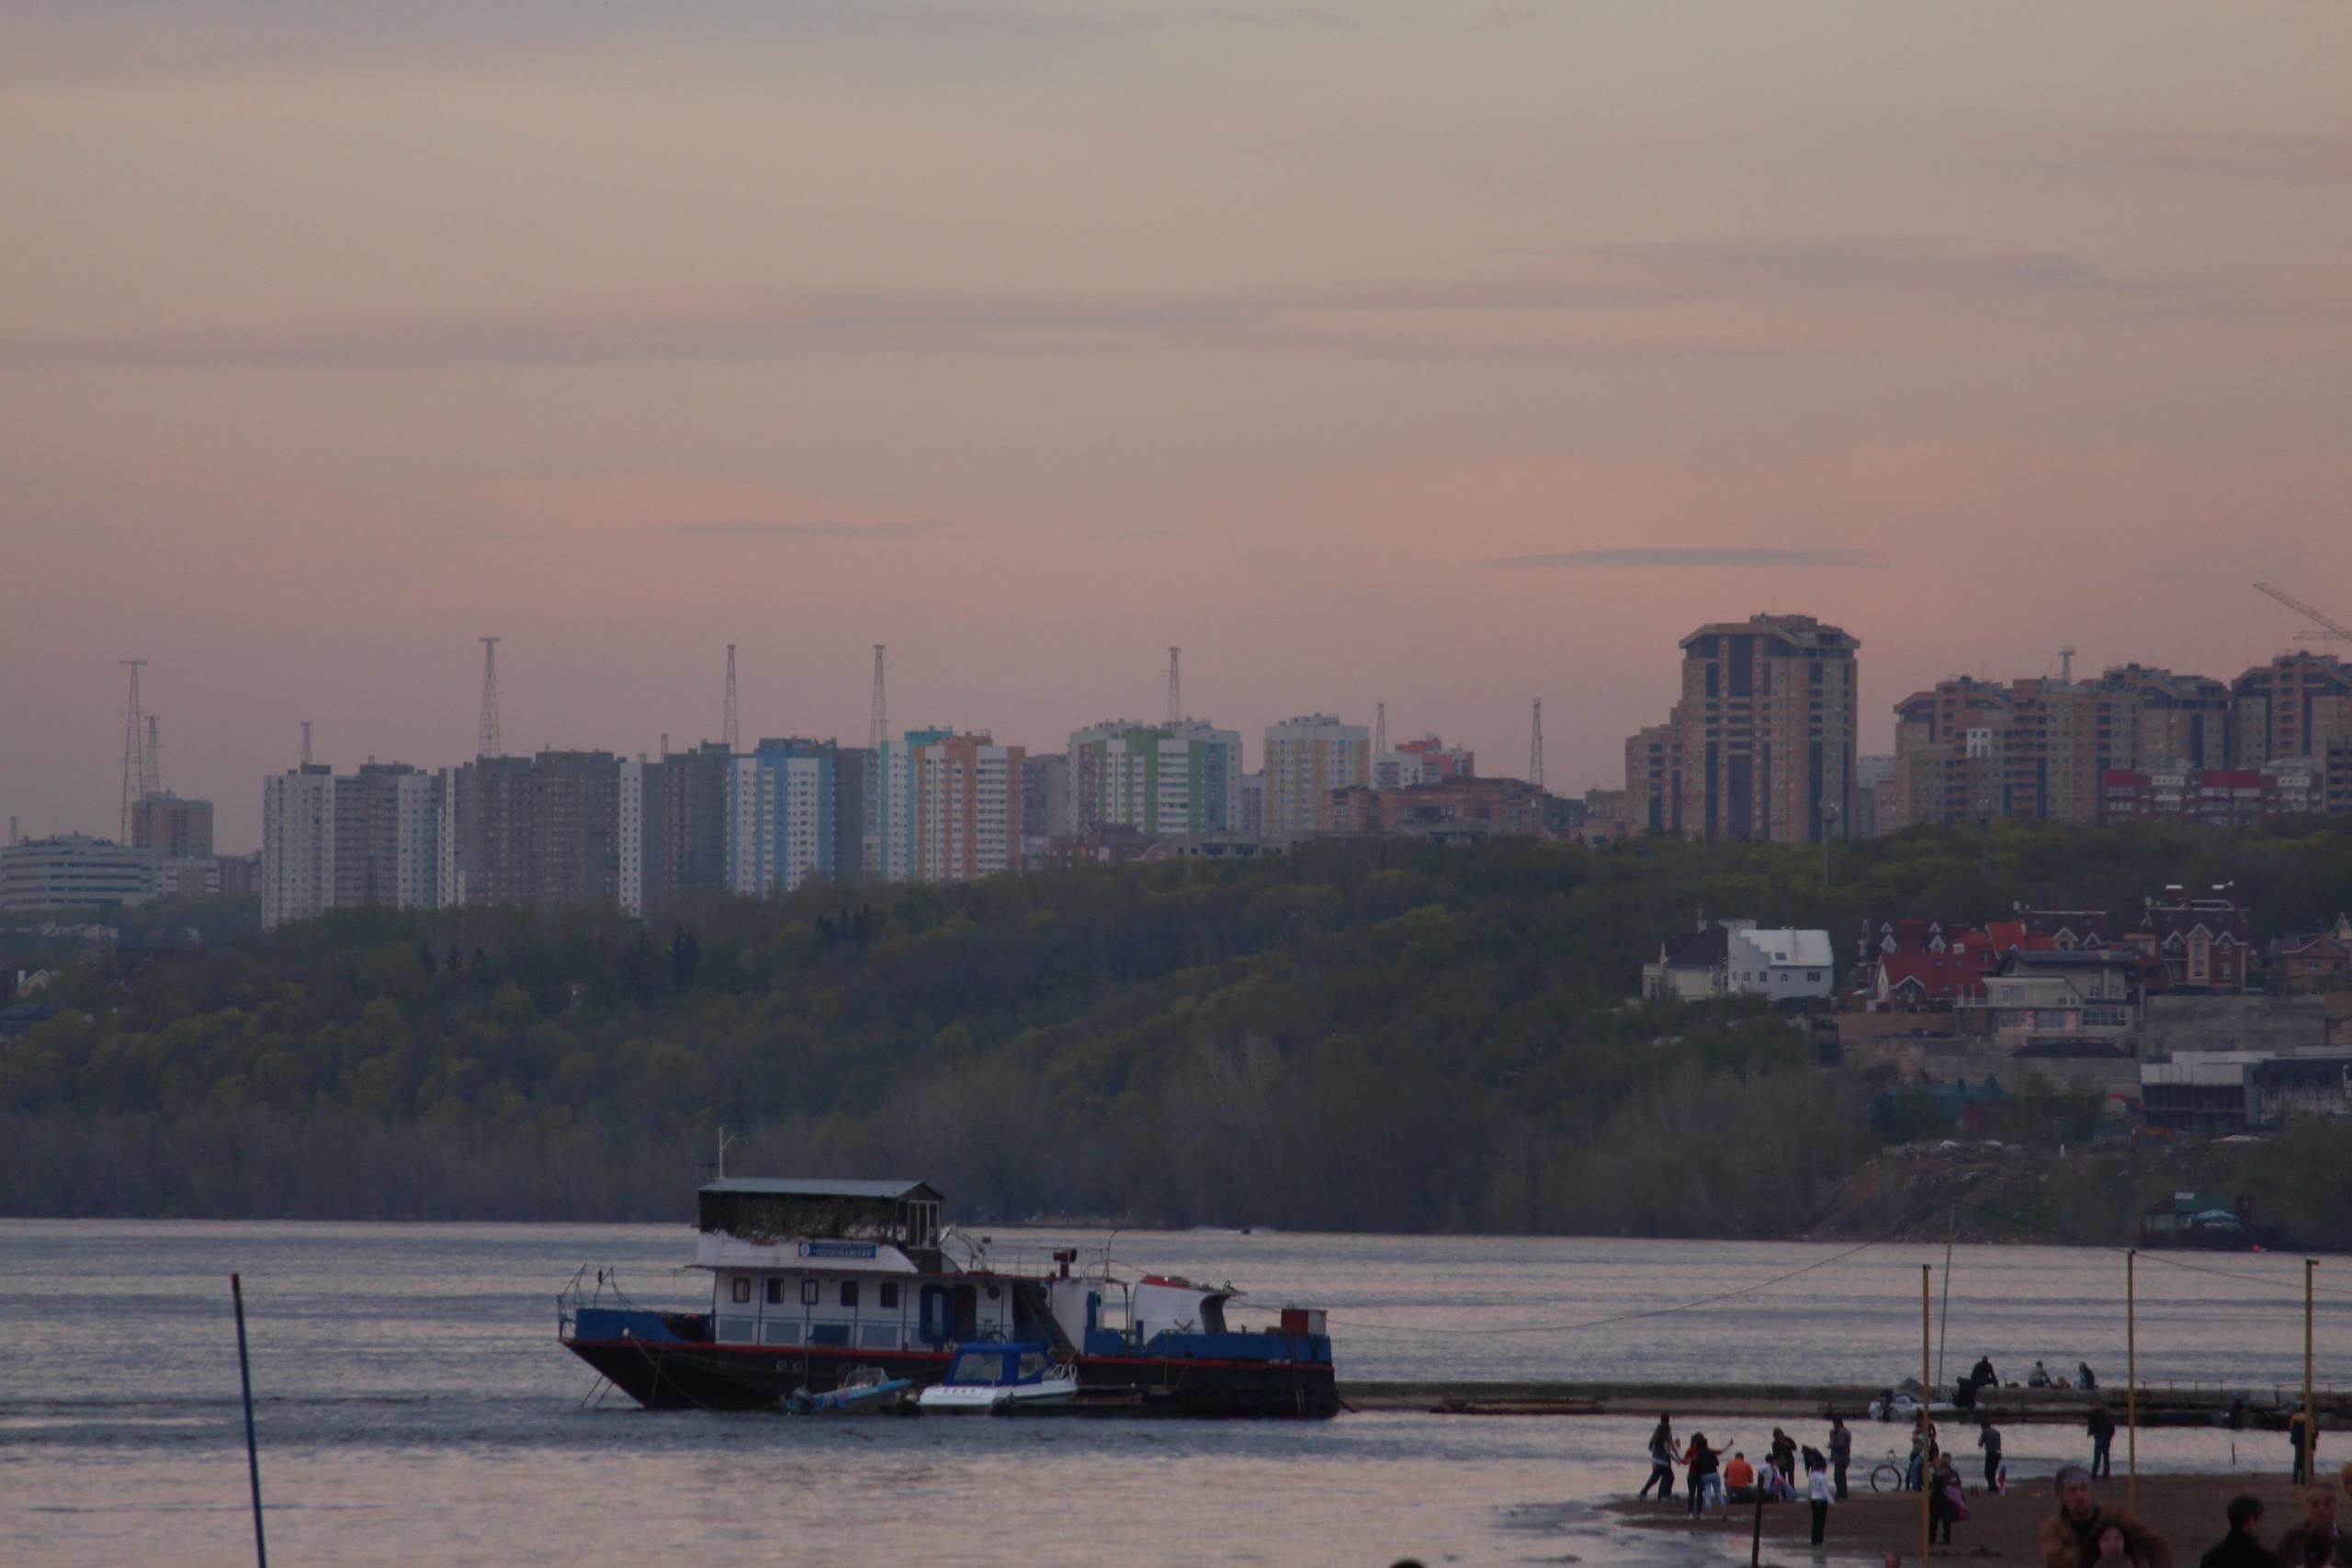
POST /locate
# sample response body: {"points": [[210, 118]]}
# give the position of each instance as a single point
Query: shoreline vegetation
{"points": [[1359, 1036]]}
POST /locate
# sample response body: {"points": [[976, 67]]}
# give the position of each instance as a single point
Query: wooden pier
{"points": [[2159, 1404]]}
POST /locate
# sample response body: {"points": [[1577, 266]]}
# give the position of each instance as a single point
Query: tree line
{"points": [[1358, 1035]]}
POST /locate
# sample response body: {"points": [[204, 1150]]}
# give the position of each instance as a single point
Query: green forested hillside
{"points": [[1358, 1037]]}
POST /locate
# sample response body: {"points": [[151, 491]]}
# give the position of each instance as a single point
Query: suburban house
{"points": [[1691, 965], [2058, 1003], [2203, 942], [2311, 960], [1782, 963]]}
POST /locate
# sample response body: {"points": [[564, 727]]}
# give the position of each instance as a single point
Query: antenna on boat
{"points": [[723, 1140]]}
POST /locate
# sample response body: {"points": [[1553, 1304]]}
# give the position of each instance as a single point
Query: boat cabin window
{"points": [[1032, 1364], [890, 1294], [923, 1224], [775, 1292], [849, 1293], [976, 1366], [808, 1292], [742, 1287]]}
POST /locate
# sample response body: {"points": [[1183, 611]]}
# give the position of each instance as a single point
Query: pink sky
{"points": [[1445, 355]]}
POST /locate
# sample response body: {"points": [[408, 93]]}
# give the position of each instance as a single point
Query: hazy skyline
{"points": [[1444, 355]]}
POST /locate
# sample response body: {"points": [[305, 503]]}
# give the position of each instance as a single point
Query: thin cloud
{"points": [[747, 528], [1709, 557], [1658, 300], [2230, 158]]}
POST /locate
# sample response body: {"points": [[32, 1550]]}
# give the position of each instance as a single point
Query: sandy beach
{"points": [[2186, 1510]]}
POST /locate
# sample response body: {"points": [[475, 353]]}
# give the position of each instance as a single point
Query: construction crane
{"points": [[2332, 630]]}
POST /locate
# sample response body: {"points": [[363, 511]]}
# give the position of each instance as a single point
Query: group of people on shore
{"points": [[1710, 1480], [2083, 1533]]}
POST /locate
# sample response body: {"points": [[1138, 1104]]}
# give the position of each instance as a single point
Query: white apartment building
{"points": [[779, 821], [373, 837], [297, 844], [1307, 758], [1183, 778]]}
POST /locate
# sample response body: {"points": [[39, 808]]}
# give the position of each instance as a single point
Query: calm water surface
{"points": [[415, 1408]]}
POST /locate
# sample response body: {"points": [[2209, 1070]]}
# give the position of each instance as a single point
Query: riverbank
{"points": [[2187, 1511]]}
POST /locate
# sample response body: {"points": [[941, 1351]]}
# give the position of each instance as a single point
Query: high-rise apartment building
{"points": [[1305, 759], [889, 793], [967, 808], [541, 832], [782, 817], [1045, 796], [1762, 741], [173, 826], [1251, 823], [2042, 749], [334, 843], [2292, 706], [1183, 778], [1653, 800]]}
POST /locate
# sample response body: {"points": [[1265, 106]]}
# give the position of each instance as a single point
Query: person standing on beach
{"points": [[1662, 1458], [2101, 1427], [1817, 1487], [1700, 1472], [1841, 1454], [2300, 1434], [2070, 1537], [2242, 1547], [1988, 1437], [1946, 1498]]}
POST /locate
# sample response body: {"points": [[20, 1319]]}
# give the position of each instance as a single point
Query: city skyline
{"points": [[234, 801], [331, 343]]}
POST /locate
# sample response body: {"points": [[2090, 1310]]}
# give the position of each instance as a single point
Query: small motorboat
{"points": [[861, 1389], [990, 1378]]}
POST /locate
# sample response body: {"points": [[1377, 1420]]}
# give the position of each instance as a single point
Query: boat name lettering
{"points": [[836, 1249]]}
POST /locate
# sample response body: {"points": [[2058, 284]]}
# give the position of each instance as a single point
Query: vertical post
{"points": [[2310, 1406], [2132, 1378], [252, 1450], [1927, 1394], [1755, 1534]]}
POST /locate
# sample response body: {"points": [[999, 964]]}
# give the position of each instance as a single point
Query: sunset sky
{"points": [[1449, 355]]}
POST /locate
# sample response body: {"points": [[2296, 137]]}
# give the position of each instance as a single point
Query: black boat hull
{"points": [[678, 1375]]}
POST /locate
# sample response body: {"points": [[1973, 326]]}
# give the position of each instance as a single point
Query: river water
{"points": [[414, 1407]]}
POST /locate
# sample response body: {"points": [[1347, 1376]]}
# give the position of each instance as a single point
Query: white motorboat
{"points": [[990, 1378]]}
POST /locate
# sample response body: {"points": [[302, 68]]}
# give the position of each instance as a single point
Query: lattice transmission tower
{"points": [[490, 743], [134, 751], [730, 729], [1175, 686], [1535, 747], [879, 727]]}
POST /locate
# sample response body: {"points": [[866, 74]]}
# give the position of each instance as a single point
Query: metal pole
{"points": [[1926, 1479], [2131, 1377], [252, 1450], [1943, 1322], [2310, 1406]]}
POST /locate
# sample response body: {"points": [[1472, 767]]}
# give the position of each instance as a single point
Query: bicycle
{"points": [[1891, 1473]]}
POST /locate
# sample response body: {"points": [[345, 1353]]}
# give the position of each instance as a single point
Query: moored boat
{"points": [[812, 1278], [994, 1379]]}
